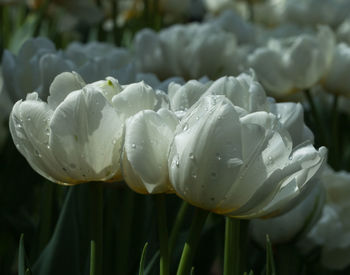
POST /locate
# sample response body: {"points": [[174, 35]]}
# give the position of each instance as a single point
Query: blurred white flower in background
{"points": [[332, 231], [190, 51], [295, 63], [316, 12], [232, 156], [294, 224], [337, 79], [343, 32]]}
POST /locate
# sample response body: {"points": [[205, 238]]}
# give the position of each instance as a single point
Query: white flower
{"points": [[332, 231], [77, 136], [190, 51], [343, 31], [38, 63], [33, 69], [315, 12], [293, 63], [337, 80], [296, 222], [96, 60], [239, 159], [145, 157]]}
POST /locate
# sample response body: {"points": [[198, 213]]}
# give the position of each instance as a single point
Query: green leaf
{"points": [[92, 257], [21, 257], [67, 252], [151, 263], [270, 263], [142, 260]]}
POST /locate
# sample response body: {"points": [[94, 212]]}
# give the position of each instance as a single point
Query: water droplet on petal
{"points": [[177, 163], [185, 127], [191, 156], [28, 118], [133, 145], [194, 175], [114, 141], [234, 162]]}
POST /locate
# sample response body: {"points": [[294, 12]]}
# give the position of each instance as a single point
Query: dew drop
{"points": [[218, 156], [219, 117], [191, 156], [133, 145], [234, 162], [177, 163], [37, 154], [114, 141], [194, 175], [197, 117], [28, 118], [185, 127], [278, 116], [270, 161]]}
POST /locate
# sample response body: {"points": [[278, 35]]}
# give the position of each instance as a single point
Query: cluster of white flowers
{"points": [[185, 111], [223, 146]]}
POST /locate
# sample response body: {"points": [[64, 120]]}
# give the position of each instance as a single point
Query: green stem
{"points": [[251, 10], [92, 257], [96, 227], [189, 249], [116, 30], [124, 234], [177, 225], [335, 139], [40, 19], [45, 226], [163, 234], [316, 117], [235, 246]]}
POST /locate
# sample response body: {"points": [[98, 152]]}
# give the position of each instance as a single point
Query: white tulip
{"points": [[337, 80], [295, 223], [232, 162], [77, 136], [191, 51], [332, 231], [294, 63], [182, 97], [145, 157]]}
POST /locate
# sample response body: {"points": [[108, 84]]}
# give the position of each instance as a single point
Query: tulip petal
{"points": [[134, 98], [86, 136], [147, 140], [29, 126], [62, 85]]}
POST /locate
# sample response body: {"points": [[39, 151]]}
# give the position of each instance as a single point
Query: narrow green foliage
{"points": [[270, 263], [142, 259], [92, 257]]}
